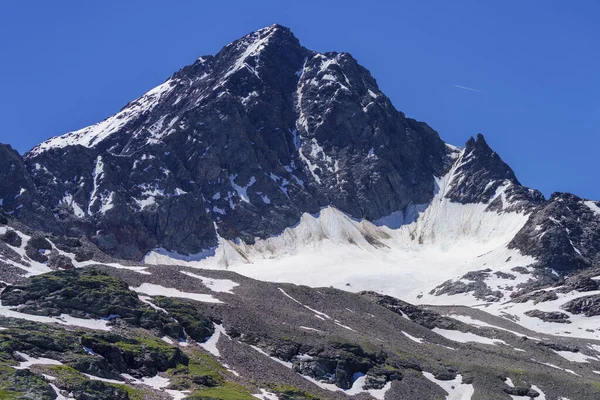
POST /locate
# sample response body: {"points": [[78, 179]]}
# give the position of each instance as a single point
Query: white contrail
{"points": [[468, 88]]}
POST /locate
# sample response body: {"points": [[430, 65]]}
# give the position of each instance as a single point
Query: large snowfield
{"points": [[332, 249]]}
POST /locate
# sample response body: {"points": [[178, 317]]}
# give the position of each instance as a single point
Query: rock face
{"points": [[248, 139], [482, 172], [19, 196], [587, 305], [549, 316], [563, 233]]}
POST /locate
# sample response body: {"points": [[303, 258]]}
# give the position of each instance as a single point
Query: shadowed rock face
{"points": [[481, 173], [19, 195], [248, 139], [563, 233]]}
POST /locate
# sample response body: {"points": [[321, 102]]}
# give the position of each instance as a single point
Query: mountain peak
{"points": [[481, 176], [256, 42], [478, 142]]}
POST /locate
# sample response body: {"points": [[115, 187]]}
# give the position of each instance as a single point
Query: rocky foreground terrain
{"points": [[86, 326], [265, 224]]}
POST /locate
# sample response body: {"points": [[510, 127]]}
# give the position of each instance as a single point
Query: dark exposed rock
{"points": [[477, 286], [11, 237], [540, 278], [549, 316], [586, 305], [339, 365], [563, 234], [558, 346], [482, 172], [521, 270], [579, 283], [59, 261], [504, 275], [36, 248], [20, 197], [522, 392], [333, 362], [97, 390], [537, 297], [428, 319]]}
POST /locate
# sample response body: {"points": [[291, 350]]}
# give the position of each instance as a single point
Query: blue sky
{"points": [[535, 65]]}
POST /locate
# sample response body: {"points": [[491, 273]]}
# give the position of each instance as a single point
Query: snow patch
{"points": [[216, 285], [465, 337], [455, 388], [158, 290]]}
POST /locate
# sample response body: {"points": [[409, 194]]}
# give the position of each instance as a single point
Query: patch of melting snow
{"points": [[211, 344], [156, 382], [413, 338], [139, 270], [595, 347], [575, 357], [542, 395], [167, 339], [216, 285], [455, 388], [593, 206], [286, 364], [147, 300], [97, 378], [265, 395], [481, 324], [158, 290], [357, 386], [177, 394], [242, 191], [29, 361], [465, 337], [338, 323], [228, 368], [318, 313], [556, 367], [59, 396], [63, 319], [310, 329]]}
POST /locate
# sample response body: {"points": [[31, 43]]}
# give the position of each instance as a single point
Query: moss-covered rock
{"points": [[196, 325], [143, 356], [86, 293], [201, 371], [286, 392], [83, 388], [229, 391], [22, 384]]}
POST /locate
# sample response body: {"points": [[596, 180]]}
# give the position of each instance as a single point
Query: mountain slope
{"points": [[248, 139]]}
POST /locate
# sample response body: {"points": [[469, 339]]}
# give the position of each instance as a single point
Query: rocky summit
{"points": [[266, 224]]}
